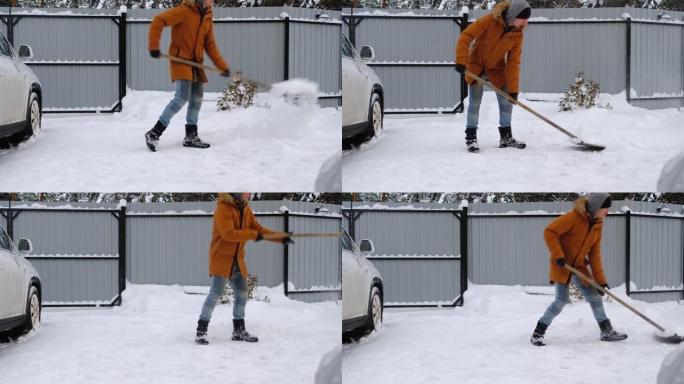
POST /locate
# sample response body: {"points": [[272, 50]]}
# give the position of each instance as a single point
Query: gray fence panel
{"points": [[174, 250], [657, 64], [420, 281], [406, 233], [657, 254], [71, 281], [77, 40], [68, 233], [322, 67], [411, 88], [554, 53], [249, 12], [315, 262]]}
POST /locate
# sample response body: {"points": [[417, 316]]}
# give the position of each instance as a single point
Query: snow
{"points": [[151, 339], [672, 369], [427, 153], [488, 339], [259, 148], [672, 175]]}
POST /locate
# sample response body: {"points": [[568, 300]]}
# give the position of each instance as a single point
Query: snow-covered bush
{"points": [[581, 93], [228, 293], [239, 93]]}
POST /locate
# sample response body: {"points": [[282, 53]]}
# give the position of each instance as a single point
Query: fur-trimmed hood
{"points": [[497, 12], [225, 197], [581, 205]]}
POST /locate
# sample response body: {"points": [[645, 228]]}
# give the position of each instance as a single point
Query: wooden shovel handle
{"points": [[275, 236], [190, 63], [607, 292]]}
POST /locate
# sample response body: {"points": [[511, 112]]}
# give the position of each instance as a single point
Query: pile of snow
{"points": [[672, 175], [672, 369], [494, 326], [259, 148], [151, 339], [427, 152]]}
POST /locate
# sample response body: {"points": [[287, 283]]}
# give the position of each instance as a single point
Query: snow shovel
{"points": [[576, 140], [662, 334], [301, 91], [269, 236]]}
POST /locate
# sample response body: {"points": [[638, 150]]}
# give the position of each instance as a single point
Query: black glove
{"points": [[514, 95], [288, 239], [259, 237], [560, 262], [460, 68], [600, 292], [155, 53], [226, 73]]}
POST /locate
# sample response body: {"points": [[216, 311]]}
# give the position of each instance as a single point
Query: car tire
{"points": [[33, 310], [375, 117], [33, 116], [375, 310]]}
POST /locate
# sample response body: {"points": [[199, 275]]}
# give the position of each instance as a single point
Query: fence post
{"points": [[122, 57], [465, 19], [10, 220], [286, 53], [628, 245], [464, 252], [10, 26], [628, 59], [122, 251], [286, 255]]}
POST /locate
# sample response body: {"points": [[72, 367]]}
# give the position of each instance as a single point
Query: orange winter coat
{"points": [[191, 35], [234, 225], [573, 237], [489, 46]]}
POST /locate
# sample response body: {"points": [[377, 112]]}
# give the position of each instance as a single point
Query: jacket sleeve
{"points": [[596, 262], [226, 229], [165, 19], [256, 225], [553, 232], [474, 31], [212, 49], [513, 66]]}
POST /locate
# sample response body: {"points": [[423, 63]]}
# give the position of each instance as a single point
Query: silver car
{"points": [[362, 287], [21, 106], [363, 97], [20, 288]]}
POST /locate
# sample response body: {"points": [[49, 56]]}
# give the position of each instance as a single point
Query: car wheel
{"points": [[375, 310], [33, 117], [374, 117], [33, 310]]}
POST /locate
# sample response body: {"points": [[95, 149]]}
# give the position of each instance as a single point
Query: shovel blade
{"points": [[583, 145], [669, 337]]}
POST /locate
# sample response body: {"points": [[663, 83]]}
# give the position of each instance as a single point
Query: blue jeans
{"points": [[475, 98], [218, 284], [186, 90], [563, 298]]}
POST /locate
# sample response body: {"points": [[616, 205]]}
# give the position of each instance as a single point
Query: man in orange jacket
{"points": [[491, 47], [234, 225], [575, 239], [192, 33]]}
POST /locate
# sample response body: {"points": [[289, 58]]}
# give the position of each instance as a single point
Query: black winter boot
{"points": [[240, 334], [152, 136], [201, 335], [608, 333], [471, 140], [507, 140], [191, 138], [538, 334]]}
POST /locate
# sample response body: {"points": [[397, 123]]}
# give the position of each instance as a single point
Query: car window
{"points": [[5, 241], [5, 48], [347, 242], [347, 49]]}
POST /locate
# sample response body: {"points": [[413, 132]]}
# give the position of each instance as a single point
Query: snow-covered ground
{"points": [[428, 153], [276, 148], [487, 341], [150, 339]]}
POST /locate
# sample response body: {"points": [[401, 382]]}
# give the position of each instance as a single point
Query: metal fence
{"points": [[83, 255], [96, 55], [643, 53], [506, 247]]}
